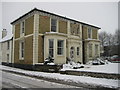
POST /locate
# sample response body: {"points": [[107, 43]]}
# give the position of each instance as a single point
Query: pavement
{"points": [[70, 84], [10, 80]]}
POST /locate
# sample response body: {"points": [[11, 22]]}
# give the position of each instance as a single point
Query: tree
{"points": [[103, 37], [110, 42]]}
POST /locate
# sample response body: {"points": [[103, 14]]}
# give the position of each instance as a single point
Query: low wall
{"points": [[42, 67], [92, 74]]}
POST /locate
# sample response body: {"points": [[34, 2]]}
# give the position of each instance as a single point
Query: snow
{"points": [[107, 68], [8, 37], [111, 83]]}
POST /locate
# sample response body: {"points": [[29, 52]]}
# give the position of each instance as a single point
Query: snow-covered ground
{"points": [[69, 78], [107, 68]]}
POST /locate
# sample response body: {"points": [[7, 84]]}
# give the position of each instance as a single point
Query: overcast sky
{"points": [[102, 14]]}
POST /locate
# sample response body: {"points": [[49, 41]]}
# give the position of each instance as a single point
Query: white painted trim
{"points": [[21, 58], [63, 47], [24, 36], [57, 24], [35, 38], [13, 43]]}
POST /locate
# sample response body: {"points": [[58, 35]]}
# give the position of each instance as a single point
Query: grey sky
{"points": [[102, 14]]}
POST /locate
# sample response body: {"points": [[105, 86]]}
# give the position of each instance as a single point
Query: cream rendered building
{"points": [[6, 47]]}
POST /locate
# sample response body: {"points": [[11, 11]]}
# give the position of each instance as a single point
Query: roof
{"points": [[6, 38], [35, 9]]}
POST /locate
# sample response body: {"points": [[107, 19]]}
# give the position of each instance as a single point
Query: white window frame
{"points": [[62, 53], [20, 50], [56, 24], [51, 48], [90, 33], [21, 28]]}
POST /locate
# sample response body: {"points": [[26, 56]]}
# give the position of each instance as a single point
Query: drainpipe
{"points": [[83, 47]]}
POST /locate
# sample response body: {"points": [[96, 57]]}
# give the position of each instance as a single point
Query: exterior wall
{"points": [[58, 59], [17, 30], [29, 25], [44, 24], [75, 43], [94, 34], [85, 32], [94, 55], [28, 59], [62, 27], [41, 49], [27, 37], [6, 51], [16, 52]]}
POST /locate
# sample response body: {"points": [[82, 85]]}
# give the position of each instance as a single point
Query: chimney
{"points": [[4, 33]]}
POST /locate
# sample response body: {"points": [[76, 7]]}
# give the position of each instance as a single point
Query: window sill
{"points": [[21, 59]]}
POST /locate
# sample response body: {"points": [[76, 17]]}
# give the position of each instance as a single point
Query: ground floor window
{"points": [[51, 47], [78, 51], [96, 49], [90, 50], [72, 52], [60, 47], [22, 50]]}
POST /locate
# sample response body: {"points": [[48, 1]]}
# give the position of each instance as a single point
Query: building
{"points": [[6, 47], [91, 43], [39, 34]]}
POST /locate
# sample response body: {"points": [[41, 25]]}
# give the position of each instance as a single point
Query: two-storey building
{"points": [[6, 44], [39, 34]]}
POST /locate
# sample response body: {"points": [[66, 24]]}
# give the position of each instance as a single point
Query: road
{"points": [[10, 80]]}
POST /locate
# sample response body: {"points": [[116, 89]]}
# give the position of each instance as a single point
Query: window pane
{"points": [[51, 47], [53, 28], [50, 43], [78, 50], [89, 33], [23, 25], [22, 49], [60, 47], [53, 25], [53, 22], [51, 52]]}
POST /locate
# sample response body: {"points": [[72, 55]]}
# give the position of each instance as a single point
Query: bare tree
{"points": [[111, 42], [103, 37]]}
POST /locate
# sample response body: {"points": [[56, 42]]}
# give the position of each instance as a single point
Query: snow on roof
{"points": [[6, 38]]}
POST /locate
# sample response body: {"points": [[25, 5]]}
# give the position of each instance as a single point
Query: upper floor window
{"points": [[8, 45], [74, 29], [60, 47], [23, 27], [78, 51], [89, 33], [53, 25]]}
